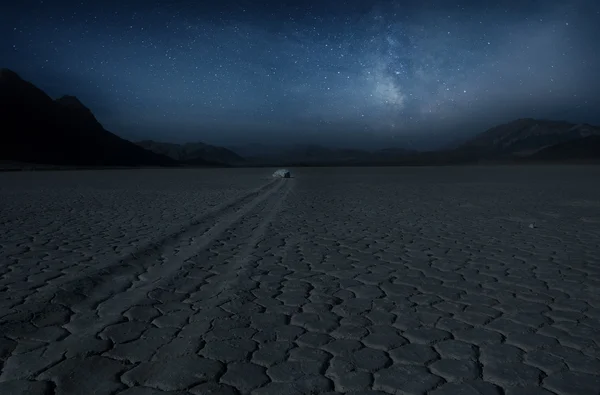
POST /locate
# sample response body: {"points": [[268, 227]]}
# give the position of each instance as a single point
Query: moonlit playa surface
{"points": [[129, 260], [282, 173]]}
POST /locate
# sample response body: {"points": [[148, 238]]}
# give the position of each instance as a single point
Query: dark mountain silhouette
{"points": [[194, 153], [37, 129], [583, 149], [524, 137]]}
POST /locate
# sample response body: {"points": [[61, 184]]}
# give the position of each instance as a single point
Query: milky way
{"points": [[356, 72]]}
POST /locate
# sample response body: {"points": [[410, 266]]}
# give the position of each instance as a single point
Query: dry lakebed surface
{"points": [[412, 280]]}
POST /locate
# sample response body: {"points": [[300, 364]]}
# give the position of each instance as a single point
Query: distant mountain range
{"points": [[526, 137], [520, 141], [581, 149], [529, 140], [194, 153], [36, 129]]}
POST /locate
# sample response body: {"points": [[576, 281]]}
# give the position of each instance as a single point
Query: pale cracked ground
{"points": [[363, 281]]}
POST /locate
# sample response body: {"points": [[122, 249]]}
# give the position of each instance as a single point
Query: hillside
{"points": [[37, 129], [525, 137], [583, 149]]}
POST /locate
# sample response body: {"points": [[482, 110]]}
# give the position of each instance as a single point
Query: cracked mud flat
{"points": [[363, 281]]}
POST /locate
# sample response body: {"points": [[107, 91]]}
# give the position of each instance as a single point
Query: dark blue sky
{"points": [[354, 72]]}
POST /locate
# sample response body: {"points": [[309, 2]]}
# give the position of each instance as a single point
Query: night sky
{"points": [[352, 73]]}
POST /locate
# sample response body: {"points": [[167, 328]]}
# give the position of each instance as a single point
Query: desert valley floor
{"points": [[438, 281]]}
